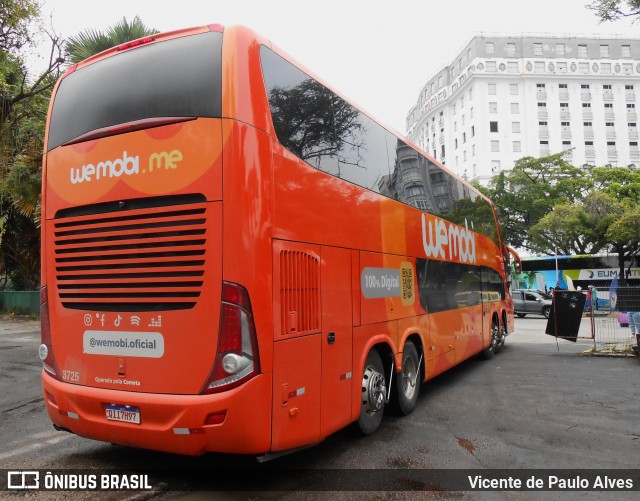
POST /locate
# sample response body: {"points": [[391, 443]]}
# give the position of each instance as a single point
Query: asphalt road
{"points": [[538, 404]]}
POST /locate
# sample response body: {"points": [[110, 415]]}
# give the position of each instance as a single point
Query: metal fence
{"points": [[20, 301], [610, 316]]}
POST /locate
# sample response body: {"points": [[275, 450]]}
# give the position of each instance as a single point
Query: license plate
{"points": [[123, 413]]}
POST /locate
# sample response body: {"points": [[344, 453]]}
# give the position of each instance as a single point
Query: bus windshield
{"points": [[175, 78]]}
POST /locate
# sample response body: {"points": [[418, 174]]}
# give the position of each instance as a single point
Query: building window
{"points": [[582, 51], [510, 49], [564, 125], [492, 89], [491, 66], [515, 127], [515, 108], [562, 67], [583, 68], [464, 137], [605, 68], [537, 49], [495, 165], [493, 126], [560, 49], [495, 146], [587, 124], [564, 106], [539, 66], [473, 150], [512, 67], [542, 105], [628, 87], [455, 143], [517, 146], [562, 86], [490, 47], [604, 51], [631, 107], [540, 86], [626, 51], [608, 106], [493, 107], [513, 89], [584, 87], [627, 68], [473, 130], [586, 105]]}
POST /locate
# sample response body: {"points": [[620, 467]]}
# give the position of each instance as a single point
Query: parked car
{"points": [[527, 302]]}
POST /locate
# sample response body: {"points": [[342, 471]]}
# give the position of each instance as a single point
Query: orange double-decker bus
{"points": [[237, 259]]}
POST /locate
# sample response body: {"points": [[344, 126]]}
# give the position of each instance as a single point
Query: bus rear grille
{"points": [[138, 255]]}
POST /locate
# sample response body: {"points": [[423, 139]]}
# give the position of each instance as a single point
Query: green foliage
{"points": [[89, 42], [23, 110], [613, 10], [548, 206], [15, 23], [530, 190]]}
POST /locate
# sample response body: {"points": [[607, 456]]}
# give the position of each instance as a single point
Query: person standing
{"points": [[634, 325], [594, 297]]}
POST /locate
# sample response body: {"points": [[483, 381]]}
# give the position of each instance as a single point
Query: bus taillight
{"points": [[136, 43], [45, 351], [236, 358]]}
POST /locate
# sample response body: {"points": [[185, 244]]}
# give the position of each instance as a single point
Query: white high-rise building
{"points": [[506, 97]]}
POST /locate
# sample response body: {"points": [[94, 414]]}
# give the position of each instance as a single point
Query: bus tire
{"points": [[503, 337], [495, 334], [408, 381], [373, 394]]}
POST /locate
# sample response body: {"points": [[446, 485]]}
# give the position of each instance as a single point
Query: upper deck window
{"points": [[180, 77]]}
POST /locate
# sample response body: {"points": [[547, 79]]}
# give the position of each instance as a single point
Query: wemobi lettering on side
{"points": [[458, 241]]}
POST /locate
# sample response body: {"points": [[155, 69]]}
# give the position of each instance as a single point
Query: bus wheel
{"points": [[408, 381], [495, 336], [503, 337], [374, 393]]}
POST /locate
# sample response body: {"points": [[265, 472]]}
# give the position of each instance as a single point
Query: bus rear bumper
{"points": [[169, 423]]}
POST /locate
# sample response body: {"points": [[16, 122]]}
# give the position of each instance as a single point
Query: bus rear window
{"points": [[181, 77]]}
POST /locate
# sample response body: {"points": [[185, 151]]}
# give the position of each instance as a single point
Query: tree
{"points": [[613, 10], [23, 109], [528, 192], [15, 19], [89, 42], [568, 229]]}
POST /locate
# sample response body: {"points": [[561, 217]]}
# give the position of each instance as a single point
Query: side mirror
{"points": [[517, 263]]}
